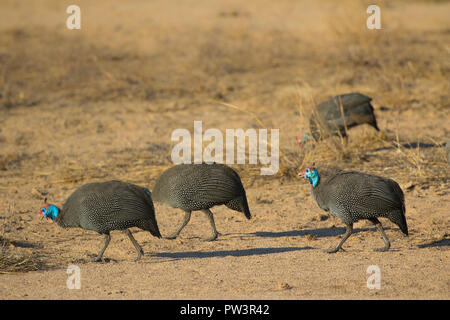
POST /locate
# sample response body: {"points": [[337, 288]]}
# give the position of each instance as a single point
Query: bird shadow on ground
{"points": [[412, 145], [226, 253], [439, 243], [26, 244], [319, 233]]}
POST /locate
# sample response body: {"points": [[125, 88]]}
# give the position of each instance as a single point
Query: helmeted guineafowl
{"points": [[107, 206], [352, 196], [193, 187], [328, 119]]}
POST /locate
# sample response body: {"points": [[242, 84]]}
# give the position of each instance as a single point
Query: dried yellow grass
{"points": [[11, 263]]}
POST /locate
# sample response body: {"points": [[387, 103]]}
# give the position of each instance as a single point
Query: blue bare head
{"points": [[311, 175], [49, 211]]}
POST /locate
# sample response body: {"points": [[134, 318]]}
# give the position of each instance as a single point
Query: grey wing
{"points": [[351, 100], [374, 194], [134, 203], [218, 186], [388, 193]]}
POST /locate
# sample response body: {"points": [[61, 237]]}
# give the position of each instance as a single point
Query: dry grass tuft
{"points": [[11, 262]]}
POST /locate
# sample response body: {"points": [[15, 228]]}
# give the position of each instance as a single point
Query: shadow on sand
{"points": [[319, 233], [439, 243], [225, 253], [412, 145]]}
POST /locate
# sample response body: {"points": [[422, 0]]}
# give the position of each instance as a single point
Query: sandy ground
{"points": [[101, 103]]}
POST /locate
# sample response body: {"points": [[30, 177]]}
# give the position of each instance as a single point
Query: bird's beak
{"points": [[301, 174]]}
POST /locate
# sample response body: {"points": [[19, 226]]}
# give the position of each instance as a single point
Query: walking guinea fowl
{"points": [[327, 118], [107, 206], [352, 196], [193, 187]]}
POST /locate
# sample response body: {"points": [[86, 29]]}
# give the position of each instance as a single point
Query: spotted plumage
{"points": [[352, 196], [328, 116], [193, 187], [107, 206]]}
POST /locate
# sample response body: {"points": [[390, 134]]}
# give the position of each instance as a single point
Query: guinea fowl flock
{"points": [[348, 195]]}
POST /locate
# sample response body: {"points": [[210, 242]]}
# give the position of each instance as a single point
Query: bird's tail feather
{"points": [[152, 227], [245, 209], [400, 220], [240, 204], [403, 226]]}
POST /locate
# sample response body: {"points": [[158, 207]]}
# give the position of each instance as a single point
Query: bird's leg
{"points": [[348, 232], [187, 217], [387, 244], [209, 214], [100, 254], [136, 245]]}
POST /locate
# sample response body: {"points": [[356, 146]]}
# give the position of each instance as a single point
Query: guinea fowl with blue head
{"points": [[106, 206], [352, 196]]}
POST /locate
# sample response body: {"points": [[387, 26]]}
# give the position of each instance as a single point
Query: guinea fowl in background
{"points": [[352, 196], [107, 206], [193, 187], [327, 118]]}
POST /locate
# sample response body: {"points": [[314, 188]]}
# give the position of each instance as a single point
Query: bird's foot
{"points": [[334, 250], [381, 249], [139, 256], [212, 238], [171, 237], [101, 260]]}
